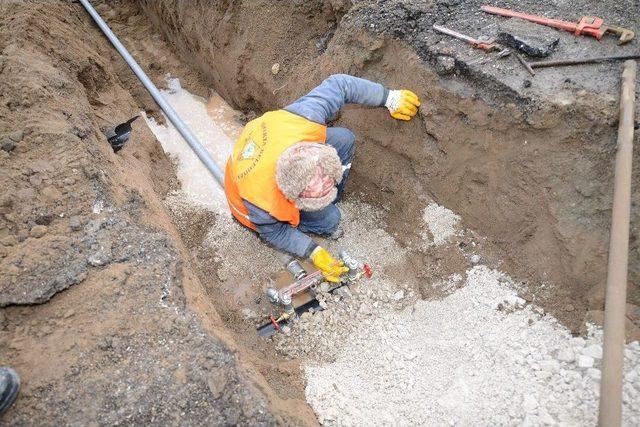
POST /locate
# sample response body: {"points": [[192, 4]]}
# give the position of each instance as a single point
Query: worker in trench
{"points": [[288, 169]]}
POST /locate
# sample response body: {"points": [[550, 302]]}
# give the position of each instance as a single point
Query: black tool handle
{"points": [[579, 61]]}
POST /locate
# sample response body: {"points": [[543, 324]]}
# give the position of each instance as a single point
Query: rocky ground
{"points": [[480, 356], [412, 22]]}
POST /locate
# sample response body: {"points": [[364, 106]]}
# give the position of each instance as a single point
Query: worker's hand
{"points": [[331, 268], [402, 104]]}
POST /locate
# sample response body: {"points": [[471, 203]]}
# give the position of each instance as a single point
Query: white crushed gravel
{"points": [[441, 222], [476, 357]]}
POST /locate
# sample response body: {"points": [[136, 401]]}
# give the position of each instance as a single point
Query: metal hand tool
{"points": [[578, 61], [293, 298], [488, 45], [588, 25]]}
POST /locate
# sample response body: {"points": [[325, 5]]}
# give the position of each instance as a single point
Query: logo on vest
{"points": [[249, 150], [253, 151]]}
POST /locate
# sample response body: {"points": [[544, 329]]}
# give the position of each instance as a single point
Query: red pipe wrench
{"points": [[588, 25]]}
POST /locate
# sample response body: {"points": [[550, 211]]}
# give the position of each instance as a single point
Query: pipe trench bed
{"points": [[444, 332], [185, 132]]}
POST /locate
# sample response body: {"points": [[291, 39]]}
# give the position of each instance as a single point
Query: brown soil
{"points": [[115, 311], [122, 343]]}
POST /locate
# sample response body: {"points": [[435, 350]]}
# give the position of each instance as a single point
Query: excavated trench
{"points": [[485, 219], [530, 176], [529, 171]]}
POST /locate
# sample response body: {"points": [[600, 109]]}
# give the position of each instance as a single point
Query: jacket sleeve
{"points": [[323, 103], [280, 235]]}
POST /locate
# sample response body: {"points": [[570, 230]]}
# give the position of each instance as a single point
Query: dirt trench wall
{"points": [[534, 175], [97, 296]]}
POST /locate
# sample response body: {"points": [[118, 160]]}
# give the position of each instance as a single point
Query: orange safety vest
{"points": [[251, 170]]}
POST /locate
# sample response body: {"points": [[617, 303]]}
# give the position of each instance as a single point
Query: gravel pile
{"points": [[320, 335], [480, 356], [441, 222]]}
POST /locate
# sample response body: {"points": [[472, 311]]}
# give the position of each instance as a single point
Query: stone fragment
{"points": [[74, 223], [550, 365], [594, 373], [445, 64], [38, 231], [6, 144], [275, 68], [35, 180], [515, 301], [545, 417], [529, 403], [566, 355], [100, 258], [344, 292], [544, 375], [9, 241], [16, 136], [594, 351], [398, 295], [217, 381], [633, 312], [585, 361], [248, 314], [364, 309], [595, 316], [51, 193], [577, 342]]}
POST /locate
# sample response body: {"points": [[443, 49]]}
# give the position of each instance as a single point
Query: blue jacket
{"points": [[321, 105]]}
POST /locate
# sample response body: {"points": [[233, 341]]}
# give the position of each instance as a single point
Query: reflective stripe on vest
{"points": [[251, 170]]}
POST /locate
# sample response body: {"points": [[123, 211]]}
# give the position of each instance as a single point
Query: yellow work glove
{"points": [[402, 104], [331, 268]]}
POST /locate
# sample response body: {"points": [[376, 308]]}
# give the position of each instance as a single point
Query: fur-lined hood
{"points": [[296, 168]]}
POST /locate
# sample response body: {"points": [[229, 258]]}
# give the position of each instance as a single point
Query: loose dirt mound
{"points": [[121, 343]]}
